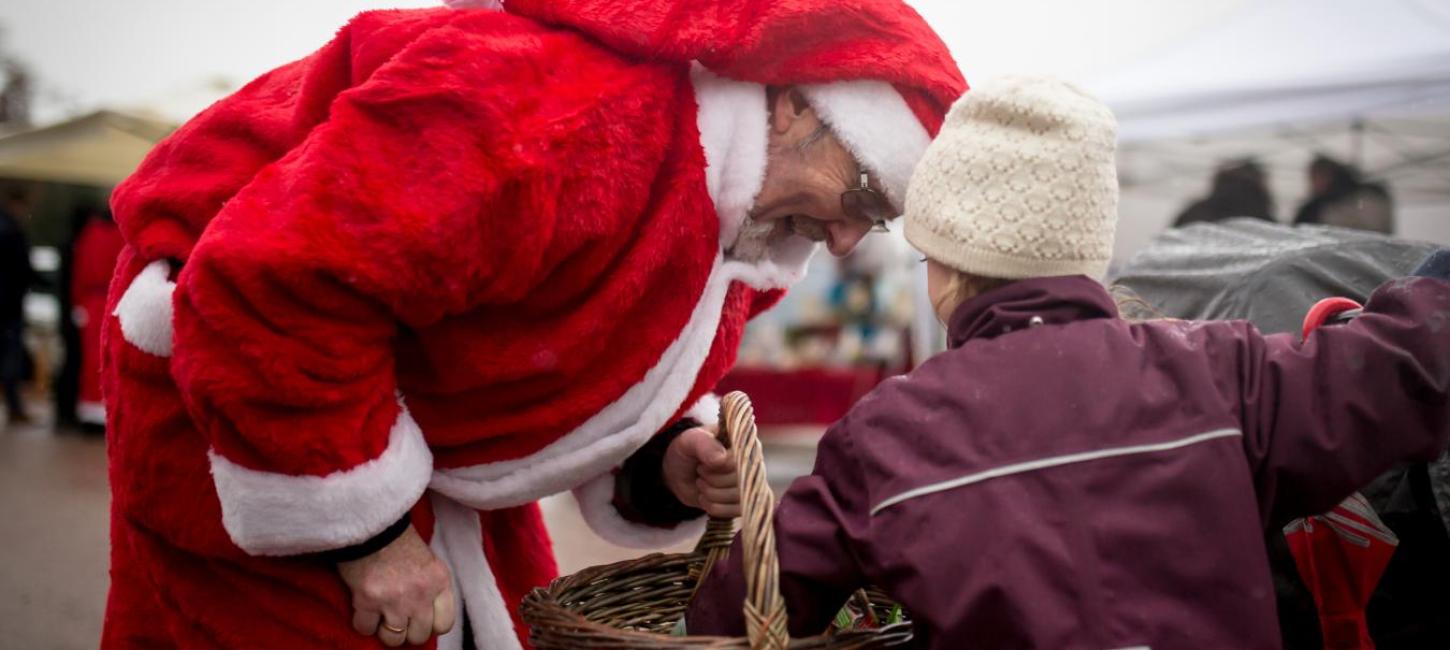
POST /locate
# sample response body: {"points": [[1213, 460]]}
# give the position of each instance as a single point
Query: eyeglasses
{"points": [[865, 203], [860, 203]]}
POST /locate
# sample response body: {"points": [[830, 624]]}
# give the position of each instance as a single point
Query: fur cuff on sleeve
{"points": [[596, 503], [266, 513]]}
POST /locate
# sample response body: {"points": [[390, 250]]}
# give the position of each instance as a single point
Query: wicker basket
{"points": [[636, 603]]}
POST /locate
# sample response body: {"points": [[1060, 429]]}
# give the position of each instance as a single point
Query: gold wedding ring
{"points": [[394, 630]]}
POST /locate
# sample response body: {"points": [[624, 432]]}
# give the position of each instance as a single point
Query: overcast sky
{"points": [[172, 56]]}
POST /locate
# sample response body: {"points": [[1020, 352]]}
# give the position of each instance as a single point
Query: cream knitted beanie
{"points": [[1020, 183]]}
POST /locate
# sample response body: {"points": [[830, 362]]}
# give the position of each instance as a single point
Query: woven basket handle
{"points": [[764, 608]]}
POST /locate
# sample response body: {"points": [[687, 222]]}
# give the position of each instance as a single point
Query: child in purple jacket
{"points": [[1061, 478]]}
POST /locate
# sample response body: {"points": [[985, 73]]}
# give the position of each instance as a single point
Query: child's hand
{"points": [[701, 473]]}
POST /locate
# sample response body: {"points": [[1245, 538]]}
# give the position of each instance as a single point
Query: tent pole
{"points": [[1357, 128], [1426, 159]]}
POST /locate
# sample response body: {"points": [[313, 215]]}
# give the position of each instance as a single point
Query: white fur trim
{"points": [[91, 412], [785, 266], [706, 410], [458, 541], [268, 513], [145, 310], [596, 503], [494, 5], [877, 125], [734, 124], [611, 435]]}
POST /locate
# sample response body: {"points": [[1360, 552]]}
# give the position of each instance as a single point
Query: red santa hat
{"points": [[873, 70], [474, 4]]}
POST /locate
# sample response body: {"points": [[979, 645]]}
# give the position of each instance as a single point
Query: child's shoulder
{"points": [[903, 417]]}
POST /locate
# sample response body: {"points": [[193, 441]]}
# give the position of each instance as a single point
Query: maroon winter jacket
{"points": [[1061, 478]]}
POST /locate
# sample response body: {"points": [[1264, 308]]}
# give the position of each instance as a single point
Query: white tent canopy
{"points": [[1365, 81], [1288, 61], [101, 149]]}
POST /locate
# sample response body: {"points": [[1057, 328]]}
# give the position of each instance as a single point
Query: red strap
{"points": [[1324, 310]]}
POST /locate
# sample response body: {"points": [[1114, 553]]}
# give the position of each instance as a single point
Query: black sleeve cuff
{"points": [[640, 493], [359, 551]]}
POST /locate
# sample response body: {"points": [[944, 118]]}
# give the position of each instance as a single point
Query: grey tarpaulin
{"points": [[1266, 273]]}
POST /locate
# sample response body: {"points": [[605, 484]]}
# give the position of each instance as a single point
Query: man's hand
{"points": [[702, 474], [403, 587]]}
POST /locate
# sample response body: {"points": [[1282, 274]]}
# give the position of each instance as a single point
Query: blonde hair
{"points": [[961, 286], [1133, 307]]}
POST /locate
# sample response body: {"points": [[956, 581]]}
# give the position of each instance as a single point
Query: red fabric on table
{"points": [[805, 396]]}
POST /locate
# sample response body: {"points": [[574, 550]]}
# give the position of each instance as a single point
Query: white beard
{"points": [[753, 242]]}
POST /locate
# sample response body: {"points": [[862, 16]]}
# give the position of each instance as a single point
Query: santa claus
{"points": [[379, 301]]}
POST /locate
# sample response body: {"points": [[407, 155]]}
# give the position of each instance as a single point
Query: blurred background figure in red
{"points": [[97, 244]]}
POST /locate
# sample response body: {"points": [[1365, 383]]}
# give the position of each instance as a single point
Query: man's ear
{"points": [[787, 105]]}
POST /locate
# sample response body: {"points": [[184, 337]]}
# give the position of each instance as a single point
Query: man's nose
{"points": [[842, 236]]}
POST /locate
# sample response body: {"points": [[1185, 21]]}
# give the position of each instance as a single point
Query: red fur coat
{"points": [[454, 261]]}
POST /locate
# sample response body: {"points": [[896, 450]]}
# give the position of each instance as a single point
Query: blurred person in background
{"points": [[15, 278], [97, 244], [1239, 189], [1338, 196], [66, 383]]}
